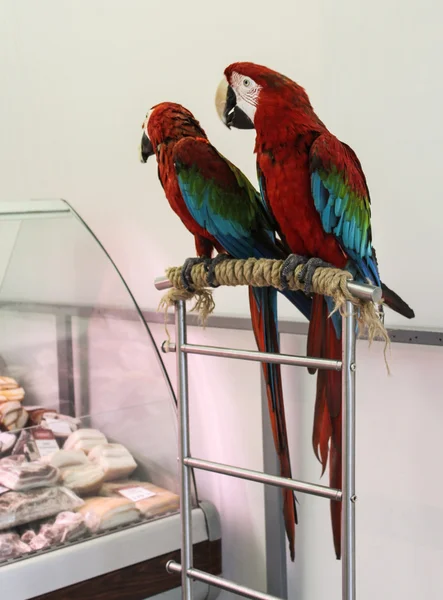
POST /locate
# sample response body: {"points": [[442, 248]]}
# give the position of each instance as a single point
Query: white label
{"points": [[46, 447], [136, 493], [57, 426], [3, 490]]}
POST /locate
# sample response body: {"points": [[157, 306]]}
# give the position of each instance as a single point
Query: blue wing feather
{"points": [[256, 240], [343, 212]]}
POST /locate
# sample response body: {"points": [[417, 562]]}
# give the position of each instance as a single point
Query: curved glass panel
{"points": [[85, 402]]}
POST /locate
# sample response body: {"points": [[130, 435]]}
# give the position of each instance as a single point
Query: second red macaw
{"points": [[222, 209]]}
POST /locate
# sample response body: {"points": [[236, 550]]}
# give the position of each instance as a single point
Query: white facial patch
{"points": [[146, 121], [247, 92]]}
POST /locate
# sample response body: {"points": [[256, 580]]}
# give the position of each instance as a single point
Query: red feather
{"points": [[286, 127], [276, 409], [286, 130], [167, 127], [288, 190], [172, 122], [327, 430]]}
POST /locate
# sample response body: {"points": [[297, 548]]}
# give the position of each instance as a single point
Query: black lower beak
{"points": [[146, 149], [233, 115]]}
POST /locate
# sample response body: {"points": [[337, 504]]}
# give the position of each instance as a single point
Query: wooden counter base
{"points": [[142, 580]]}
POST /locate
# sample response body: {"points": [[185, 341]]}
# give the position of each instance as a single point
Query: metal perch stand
{"points": [[347, 495]]}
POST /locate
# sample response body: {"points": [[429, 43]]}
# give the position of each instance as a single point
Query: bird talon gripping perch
{"points": [[210, 268], [307, 273], [186, 274], [288, 268]]}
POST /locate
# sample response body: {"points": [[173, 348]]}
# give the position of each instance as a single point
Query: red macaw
{"points": [[221, 208], [315, 189]]}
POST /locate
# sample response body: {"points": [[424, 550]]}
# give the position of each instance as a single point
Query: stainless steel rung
{"points": [[293, 484], [224, 584], [268, 357]]}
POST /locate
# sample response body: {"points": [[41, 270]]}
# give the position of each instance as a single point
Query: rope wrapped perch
{"points": [[267, 273]]}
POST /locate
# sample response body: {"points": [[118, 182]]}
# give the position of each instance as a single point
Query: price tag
{"points": [[46, 447], [136, 493], [45, 441]]}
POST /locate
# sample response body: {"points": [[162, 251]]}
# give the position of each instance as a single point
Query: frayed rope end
{"points": [[204, 305]]}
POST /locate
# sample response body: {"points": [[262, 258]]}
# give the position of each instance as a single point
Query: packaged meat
{"points": [[11, 546], [68, 526], [21, 475], [12, 415], [28, 536], [19, 508], [83, 479], [36, 443], [151, 500], [40, 542], [85, 439], [12, 395], [62, 426], [37, 413], [106, 513], [71, 526], [116, 461], [25, 446], [7, 441], [65, 458], [7, 383]]}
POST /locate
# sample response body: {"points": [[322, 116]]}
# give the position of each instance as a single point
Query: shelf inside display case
{"points": [[146, 546], [88, 442]]}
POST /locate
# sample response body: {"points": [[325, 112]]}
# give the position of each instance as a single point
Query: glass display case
{"points": [[88, 442]]}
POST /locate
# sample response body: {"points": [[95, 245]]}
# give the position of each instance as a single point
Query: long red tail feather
{"points": [[265, 330], [327, 430]]}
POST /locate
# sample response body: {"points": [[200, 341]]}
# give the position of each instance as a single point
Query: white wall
{"points": [[77, 79]]}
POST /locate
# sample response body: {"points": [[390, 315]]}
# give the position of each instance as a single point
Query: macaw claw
{"points": [[186, 274], [210, 268], [307, 273], [288, 268]]}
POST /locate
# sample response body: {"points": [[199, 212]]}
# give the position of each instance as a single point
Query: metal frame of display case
{"points": [[346, 495]]}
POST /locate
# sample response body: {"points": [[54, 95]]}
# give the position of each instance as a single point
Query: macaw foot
{"points": [[307, 273], [210, 269], [186, 274], [288, 268]]}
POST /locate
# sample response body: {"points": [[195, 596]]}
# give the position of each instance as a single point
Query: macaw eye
{"points": [[246, 82]]}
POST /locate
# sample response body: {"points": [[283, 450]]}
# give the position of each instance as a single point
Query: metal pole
{"points": [[284, 482], [184, 450], [224, 584], [268, 357], [348, 454], [254, 355]]}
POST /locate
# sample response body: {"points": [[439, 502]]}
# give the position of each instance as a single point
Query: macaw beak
{"points": [[145, 150], [228, 111]]}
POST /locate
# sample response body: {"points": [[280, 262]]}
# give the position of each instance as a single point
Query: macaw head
{"points": [[251, 95], [167, 122]]}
